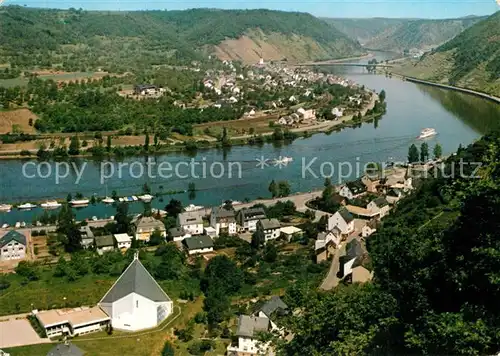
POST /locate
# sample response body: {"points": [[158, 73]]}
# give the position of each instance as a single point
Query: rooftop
{"points": [[252, 213], [290, 230], [198, 242], [135, 279], [219, 212], [249, 325], [346, 215], [104, 241], [123, 238], [189, 218], [76, 316], [12, 236], [272, 305], [149, 223], [268, 224]]}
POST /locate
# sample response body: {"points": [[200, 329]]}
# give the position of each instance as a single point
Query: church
{"points": [[136, 301]]}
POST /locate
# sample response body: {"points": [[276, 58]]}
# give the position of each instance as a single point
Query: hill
{"points": [[472, 59], [124, 40], [402, 34]]}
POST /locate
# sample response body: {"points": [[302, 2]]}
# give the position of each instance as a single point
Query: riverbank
{"points": [[194, 143]]}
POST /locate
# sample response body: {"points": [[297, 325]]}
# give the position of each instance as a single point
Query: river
{"points": [[458, 118]]}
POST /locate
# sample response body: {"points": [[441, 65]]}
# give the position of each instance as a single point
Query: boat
{"points": [[18, 225], [51, 205], [5, 226], [134, 198], [121, 199], [428, 132], [108, 200], [23, 224], [79, 202], [5, 207], [192, 207], [26, 206], [146, 198], [283, 160], [129, 199]]}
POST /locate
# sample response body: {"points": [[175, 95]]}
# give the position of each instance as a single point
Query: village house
{"points": [[104, 243], [394, 195], [270, 227], [290, 232], [72, 322], [144, 227], [146, 89], [210, 231], [379, 205], [13, 246], [247, 332], [326, 243], [343, 220], [306, 114], [198, 244], [123, 241], [178, 234], [191, 222], [248, 218], [272, 308], [337, 112], [369, 229], [223, 221], [353, 189], [136, 301], [87, 237], [292, 99], [351, 267], [371, 182]]}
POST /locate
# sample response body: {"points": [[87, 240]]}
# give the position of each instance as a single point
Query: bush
{"points": [[25, 153]]}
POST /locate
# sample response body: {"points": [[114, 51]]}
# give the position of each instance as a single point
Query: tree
{"points": [[424, 152], [258, 238], [168, 349], [122, 219], [284, 188], [438, 151], [174, 208], [156, 238], [155, 140], [382, 96], [270, 253], [28, 270], [146, 142], [74, 146], [67, 227], [273, 189], [108, 143], [413, 155]]}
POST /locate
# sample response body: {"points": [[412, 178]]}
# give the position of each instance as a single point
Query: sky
{"points": [[323, 8]]}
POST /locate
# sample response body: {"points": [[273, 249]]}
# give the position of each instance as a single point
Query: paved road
{"points": [[331, 280]]}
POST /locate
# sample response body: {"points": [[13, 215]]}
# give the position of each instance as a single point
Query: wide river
{"points": [[458, 118]]}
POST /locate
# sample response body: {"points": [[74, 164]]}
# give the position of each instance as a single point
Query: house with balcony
{"points": [[247, 218], [223, 221], [13, 245], [270, 227]]}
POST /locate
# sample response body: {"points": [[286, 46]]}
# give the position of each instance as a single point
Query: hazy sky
{"points": [[326, 8]]}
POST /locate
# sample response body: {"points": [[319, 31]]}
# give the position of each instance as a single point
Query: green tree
{"points": [[67, 227], [382, 96], [146, 142], [258, 238], [122, 219], [168, 349], [273, 189], [108, 143], [174, 208], [284, 188], [424, 152], [156, 238], [74, 146], [413, 155], [438, 151]]}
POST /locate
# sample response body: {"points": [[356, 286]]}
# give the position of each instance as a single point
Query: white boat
{"points": [[23, 224], [146, 198], [50, 205], [428, 132], [134, 198], [26, 206], [5, 207], [79, 202], [5, 226], [121, 199], [18, 225], [108, 200], [283, 160], [192, 207]]}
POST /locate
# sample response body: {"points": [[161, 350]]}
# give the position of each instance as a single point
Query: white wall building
{"points": [[13, 246], [136, 301], [247, 332], [270, 227], [123, 241], [343, 220], [191, 222], [198, 245], [223, 220]]}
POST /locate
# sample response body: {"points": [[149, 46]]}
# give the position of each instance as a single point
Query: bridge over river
{"points": [[344, 64]]}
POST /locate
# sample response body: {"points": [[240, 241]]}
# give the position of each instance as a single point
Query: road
{"points": [[331, 280]]}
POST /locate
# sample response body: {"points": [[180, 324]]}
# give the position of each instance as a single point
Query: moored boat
{"points": [[146, 198], [51, 205], [108, 200], [5, 207], [79, 202], [26, 206]]}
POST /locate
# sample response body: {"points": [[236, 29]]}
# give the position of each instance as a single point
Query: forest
{"points": [[436, 261], [120, 41]]}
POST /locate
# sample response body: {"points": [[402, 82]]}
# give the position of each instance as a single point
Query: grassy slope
{"points": [[32, 30], [400, 34], [471, 59]]}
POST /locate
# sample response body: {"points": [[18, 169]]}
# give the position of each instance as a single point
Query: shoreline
{"points": [[319, 127]]}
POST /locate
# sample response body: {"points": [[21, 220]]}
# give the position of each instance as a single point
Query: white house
{"points": [[247, 333], [223, 220], [136, 301], [337, 112], [198, 244], [292, 99], [72, 322], [210, 231], [269, 310], [123, 241], [352, 190], [368, 229], [178, 234], [290, 231], [379, 205], [233, 100], [191, 222], [13, 246], [307, 114], [248, 218], [343, 220], [270, 227]]}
